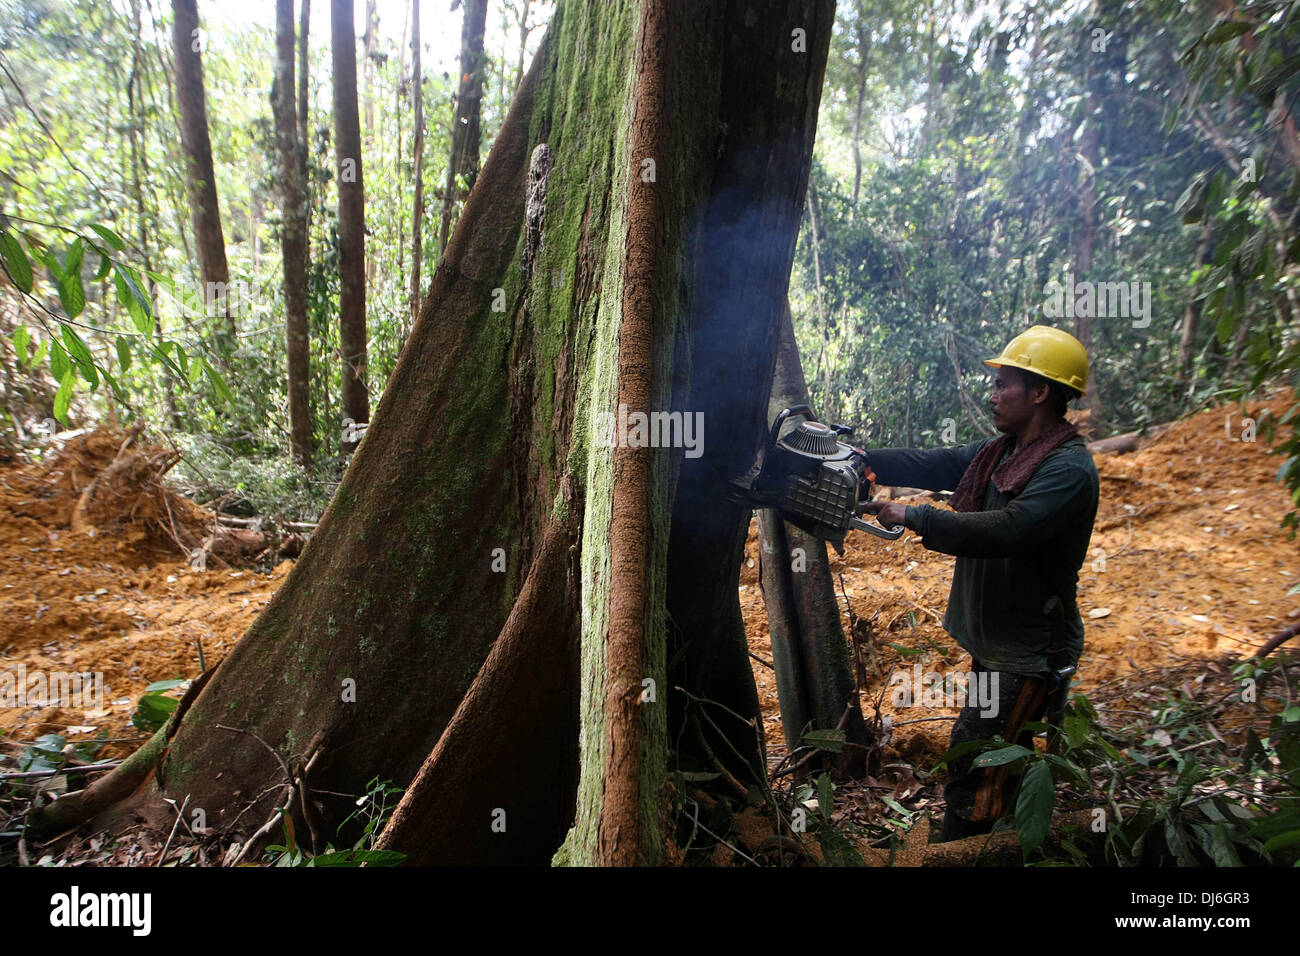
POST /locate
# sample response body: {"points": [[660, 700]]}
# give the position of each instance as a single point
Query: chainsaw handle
{"points": [[804, 410], [889, 534]]}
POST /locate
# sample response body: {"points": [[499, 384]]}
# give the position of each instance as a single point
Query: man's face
{"points": [[1013, 407]]}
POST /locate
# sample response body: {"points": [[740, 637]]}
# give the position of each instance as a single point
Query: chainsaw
{"points": [[814, 480]]}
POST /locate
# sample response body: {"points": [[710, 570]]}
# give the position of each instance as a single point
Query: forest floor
{"points": [[1189, 572]]}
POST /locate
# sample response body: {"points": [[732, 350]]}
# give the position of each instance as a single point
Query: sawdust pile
{"points": [[106, 570]]}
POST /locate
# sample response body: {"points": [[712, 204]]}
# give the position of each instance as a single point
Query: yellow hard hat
{"points": [[1051, 353]]}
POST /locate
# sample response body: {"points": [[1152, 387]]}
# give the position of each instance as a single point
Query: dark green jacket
{"points": [[1012, 556]]}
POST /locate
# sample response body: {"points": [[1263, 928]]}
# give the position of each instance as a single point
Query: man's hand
{"points": [[888, 513]]}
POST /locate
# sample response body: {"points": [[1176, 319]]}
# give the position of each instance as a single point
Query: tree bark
{"points": [[1097, 67], [352, 219], [524, 30], [814, 676], [463, 161], [368, 40], [863, 45], [1192, 312], [200, 177], [293, 236], [488, 551], [139, 168], [304, 93]]}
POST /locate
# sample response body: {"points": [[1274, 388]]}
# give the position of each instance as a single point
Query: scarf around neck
{"points": [[1011, 475]]}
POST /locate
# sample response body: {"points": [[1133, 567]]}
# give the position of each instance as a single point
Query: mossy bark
{"points": [[660, 285]]}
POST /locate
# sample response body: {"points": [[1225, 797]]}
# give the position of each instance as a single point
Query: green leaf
{"points": [[1220, 847], [133, 300], [906, 651], [123, 352], [837, 849], [118, 391], [1069, 770], [1076, 730], [109, 236], [1226, 31], [358, 857], [105, 266], [196, 371], [1005, 755], [1177, 843], [1290, 838], [963, 748], [71, 293], [1191, 204], [59, 363], [22, 339], [152, 711], [159, 352], [219, 384], [41, 349], [825, 796], [63, 397], [1034, 807], [830, 740], [16, 262], [162, 685], [80, 353], [182, 359]]}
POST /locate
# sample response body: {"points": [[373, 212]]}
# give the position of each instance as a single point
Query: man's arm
{"points": [[938, 469], [1058, 492]]}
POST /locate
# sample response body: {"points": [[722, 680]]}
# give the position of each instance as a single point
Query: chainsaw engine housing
{"points": [[815, 481]]}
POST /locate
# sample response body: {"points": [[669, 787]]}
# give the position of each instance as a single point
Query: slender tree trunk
{"points": [[1085, 238], [417, 208], [293, 236], [368, 40], [824, 357], [465, 122], [139, 165], [488, 609], [200, 176], [814, 676], [304, 92], [352, 219], [863, 46], [1192, 313], [524, 30]]}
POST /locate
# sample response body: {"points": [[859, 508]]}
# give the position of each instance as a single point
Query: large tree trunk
{"points": [[200, 178], [494, 596], [463, 161], [814, 676], [352, 219], [293, 235]]}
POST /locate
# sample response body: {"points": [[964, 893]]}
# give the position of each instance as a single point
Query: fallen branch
{"points": [[1277, 640], [86, 768]]}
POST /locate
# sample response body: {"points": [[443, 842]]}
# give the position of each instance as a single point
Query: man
{"points": [[1024, 505]]}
